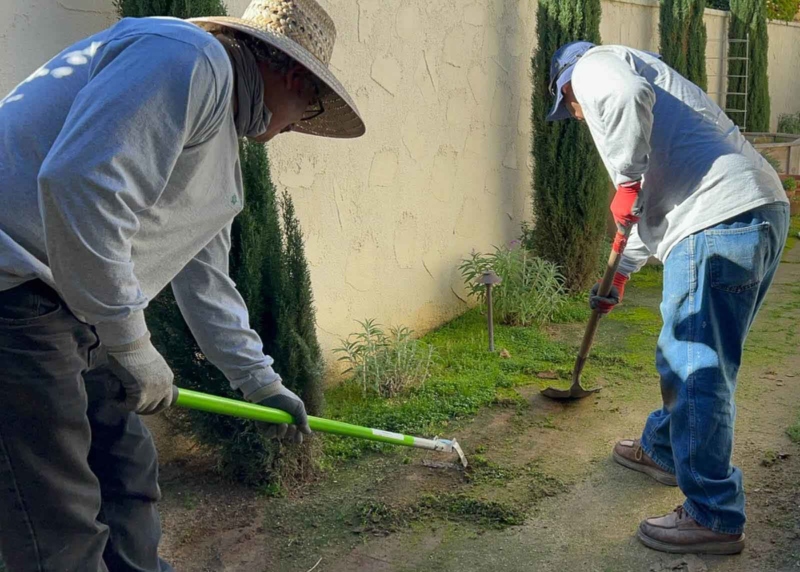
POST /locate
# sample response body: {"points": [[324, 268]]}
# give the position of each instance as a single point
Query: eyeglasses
{"points": [[314, 109]]}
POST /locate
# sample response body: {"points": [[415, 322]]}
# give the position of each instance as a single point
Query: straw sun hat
{"points": [[304, 31]]}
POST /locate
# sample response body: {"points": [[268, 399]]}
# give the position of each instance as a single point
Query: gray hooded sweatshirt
{"points": [[119, 174], [649, 123]]}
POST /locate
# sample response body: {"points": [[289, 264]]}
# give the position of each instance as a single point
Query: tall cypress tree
{"points": [[683, 38], [174, 8], [268, 265], [301, 354], [749, 17], [570, 186]]}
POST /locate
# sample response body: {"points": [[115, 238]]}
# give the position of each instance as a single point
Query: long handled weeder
{"points": [[196, 400]]}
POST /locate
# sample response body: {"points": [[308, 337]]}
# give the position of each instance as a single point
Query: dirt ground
{"points": [[545, 495]]}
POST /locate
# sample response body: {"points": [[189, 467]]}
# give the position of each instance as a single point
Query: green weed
{"points": [[772, 458], [386, 364], [531, 289], [188, 500]]}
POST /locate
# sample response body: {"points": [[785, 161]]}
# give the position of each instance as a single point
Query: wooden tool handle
{"points": [[605, 288]]}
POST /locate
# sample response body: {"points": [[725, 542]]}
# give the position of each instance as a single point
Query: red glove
{"points": [[605, 304], [622, 207]]}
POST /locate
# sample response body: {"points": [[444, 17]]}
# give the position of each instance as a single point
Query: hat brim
{"points": [[559, 111], [341, 118]]}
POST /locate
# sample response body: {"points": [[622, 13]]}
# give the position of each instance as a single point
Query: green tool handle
{"points": [[189, 399]]}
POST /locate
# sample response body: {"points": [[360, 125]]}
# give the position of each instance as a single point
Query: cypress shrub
{"points": [[683, 38], [570, 185], [268, 265], [749, 16]]}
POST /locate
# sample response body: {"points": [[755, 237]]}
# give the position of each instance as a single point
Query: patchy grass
{"points": [[793, 239], [574, 309], [648, 278], [466, 376], [794, 432], [471, 505]]}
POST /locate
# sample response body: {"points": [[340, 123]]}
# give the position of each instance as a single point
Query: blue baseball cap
{"points": [[561, 67]]}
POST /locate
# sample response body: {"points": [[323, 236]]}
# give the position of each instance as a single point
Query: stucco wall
{"points": [[632, 23], [784, 69], [716, 48], [444, 168], [33, 31]]}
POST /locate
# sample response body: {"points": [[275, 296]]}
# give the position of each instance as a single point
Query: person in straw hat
{"points": [[119, 175]]}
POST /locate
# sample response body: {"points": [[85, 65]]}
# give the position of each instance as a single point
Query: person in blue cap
{"points": [[702, 200]]}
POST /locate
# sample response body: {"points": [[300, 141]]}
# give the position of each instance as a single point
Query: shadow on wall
{"points": [[508, 176]]}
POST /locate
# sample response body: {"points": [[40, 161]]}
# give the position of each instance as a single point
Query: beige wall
{"points": [[445, 167], [33, 31], [632, 23], [716, 48], [784, 69]]}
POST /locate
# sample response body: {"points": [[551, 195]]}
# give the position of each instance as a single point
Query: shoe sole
{"points": [[721, 548], [656, 474]]}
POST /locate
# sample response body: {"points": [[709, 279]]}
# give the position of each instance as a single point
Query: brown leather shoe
{"points": [[629, 453], [679, 532]]}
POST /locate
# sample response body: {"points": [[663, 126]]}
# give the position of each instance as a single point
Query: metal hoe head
{"points": [[576, 391]]}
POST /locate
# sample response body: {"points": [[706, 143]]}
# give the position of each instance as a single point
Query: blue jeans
{"points": [[714, 284]]}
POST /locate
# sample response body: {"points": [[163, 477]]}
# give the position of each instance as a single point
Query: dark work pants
{"points": [[78, 474]]}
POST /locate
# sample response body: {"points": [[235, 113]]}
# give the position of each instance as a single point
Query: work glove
{"points": [[605, 304], [275, 395], [144, 375], [624, 206]]}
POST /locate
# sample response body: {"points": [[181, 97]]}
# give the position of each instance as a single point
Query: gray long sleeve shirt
{"points": [[119, 173], [651, 124]]}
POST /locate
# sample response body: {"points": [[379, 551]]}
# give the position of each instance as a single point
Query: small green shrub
{"points": [[782, 9], [789, 185], [789, 123], [386, 364], [532, 288]]}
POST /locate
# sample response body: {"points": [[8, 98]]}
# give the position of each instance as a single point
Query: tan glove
{"points": [[144, 375]]}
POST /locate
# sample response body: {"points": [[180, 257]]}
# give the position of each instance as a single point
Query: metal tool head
{"points": [[461, 456], [573, 393], [447, 446]]}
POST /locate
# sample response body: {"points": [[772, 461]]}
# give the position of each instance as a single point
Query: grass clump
{"points": [[379, 518], [460, 507]]}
